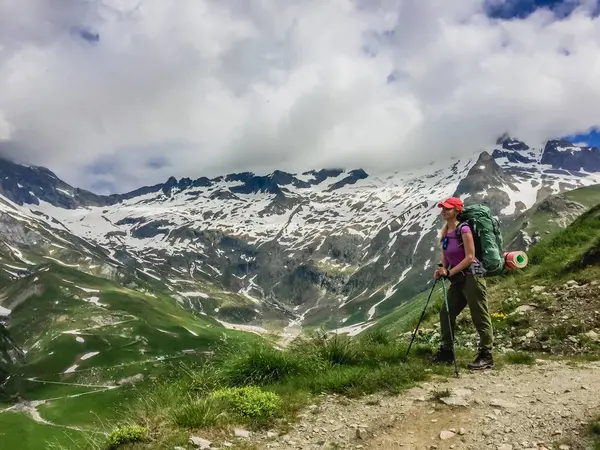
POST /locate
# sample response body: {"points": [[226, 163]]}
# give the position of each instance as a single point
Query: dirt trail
{"points": [[545, 405]]}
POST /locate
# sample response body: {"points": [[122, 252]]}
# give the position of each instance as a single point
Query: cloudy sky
{"points": [[115, 94]]}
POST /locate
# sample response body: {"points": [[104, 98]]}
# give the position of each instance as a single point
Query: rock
{"points": [[446, 434], [270, 434], [200, 443], [504, 447], [592, 335], [462, 431], [241, 433], [530, 335], [178, 448], [537, 289], [462, 392], [502, 403], [572, 283], [523, 309], [454, 401], [564, 447]]}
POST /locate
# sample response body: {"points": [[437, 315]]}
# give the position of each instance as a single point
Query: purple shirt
{"points": [[454, 253]]}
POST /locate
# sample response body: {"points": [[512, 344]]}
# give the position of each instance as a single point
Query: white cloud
{"points": [[202, 87]]}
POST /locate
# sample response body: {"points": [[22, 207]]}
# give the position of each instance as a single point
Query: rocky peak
{"points": [[242, 176], [509, 143], [513, 144], [255, 184], [484, 174], [323, 174], [30, 184], [353, 177], [502, 138], [561, 154], [512, 156], [285, 178], [484, 183]]}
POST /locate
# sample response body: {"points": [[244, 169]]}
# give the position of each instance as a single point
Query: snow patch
{"points": [[194, 294], [353, 330], [89, 355], [240, 327], [193, 333], [388, 293], [71, 369]]}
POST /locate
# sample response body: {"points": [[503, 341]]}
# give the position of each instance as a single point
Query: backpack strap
{"points": [[459, 232]]}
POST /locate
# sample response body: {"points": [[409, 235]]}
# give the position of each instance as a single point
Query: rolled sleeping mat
{"points": [[515, 260]]}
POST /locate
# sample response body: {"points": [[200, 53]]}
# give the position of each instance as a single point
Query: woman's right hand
{"points": [[440, 272]]}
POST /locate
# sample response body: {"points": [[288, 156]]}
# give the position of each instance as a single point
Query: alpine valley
{"points": [[262, 253]]}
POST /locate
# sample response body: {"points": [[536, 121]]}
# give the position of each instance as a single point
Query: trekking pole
{"points": [[421, 319], [450, 326]]}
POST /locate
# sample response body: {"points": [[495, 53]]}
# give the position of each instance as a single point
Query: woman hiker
{"points": [[467, 287]]}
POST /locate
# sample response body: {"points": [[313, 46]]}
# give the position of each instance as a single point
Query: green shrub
{"points": [[595, 427], [202, 413], [204, 379], [336, 350], [377, 337], [263, 365], [126, 435], [250, 402]]}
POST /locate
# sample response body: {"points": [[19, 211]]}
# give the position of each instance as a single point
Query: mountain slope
{"points": [[550, 306], [551, 214], [327, 247]]}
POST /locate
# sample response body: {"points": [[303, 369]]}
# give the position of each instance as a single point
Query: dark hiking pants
{"points": [[471, 291]]}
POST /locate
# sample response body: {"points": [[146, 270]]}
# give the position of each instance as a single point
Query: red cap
{"points": [[452, 202]]}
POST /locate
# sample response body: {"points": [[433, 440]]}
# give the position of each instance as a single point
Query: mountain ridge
{"points": [[329, 247]]}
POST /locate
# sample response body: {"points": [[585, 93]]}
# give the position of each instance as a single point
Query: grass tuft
{"points": [[203, 413], [263, 365], [519, 358]]}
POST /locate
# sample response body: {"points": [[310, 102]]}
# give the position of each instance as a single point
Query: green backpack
{"points": [[486, 235]]}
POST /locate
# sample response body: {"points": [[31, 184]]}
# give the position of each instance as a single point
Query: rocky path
{"points": [[546, 405]]}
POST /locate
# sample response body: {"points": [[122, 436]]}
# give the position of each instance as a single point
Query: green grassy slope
{"points": [[20, 431], [567, 253], [68, 314], [82, 336], [550, 215]]}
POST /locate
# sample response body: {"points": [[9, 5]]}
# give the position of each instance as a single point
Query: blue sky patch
{"points": [[592, 138], [518, 9]]}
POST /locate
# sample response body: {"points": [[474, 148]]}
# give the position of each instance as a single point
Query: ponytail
{"points": [[444, 232]]}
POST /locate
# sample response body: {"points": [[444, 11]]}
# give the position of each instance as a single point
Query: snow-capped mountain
{"points": [[329, 247]]}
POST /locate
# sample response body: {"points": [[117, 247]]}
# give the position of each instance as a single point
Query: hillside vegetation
{"points": [[109, 366], [255, 389], [548, 216]]}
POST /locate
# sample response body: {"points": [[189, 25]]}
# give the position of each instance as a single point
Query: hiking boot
{"points": [[484, 360], [444, 356]]}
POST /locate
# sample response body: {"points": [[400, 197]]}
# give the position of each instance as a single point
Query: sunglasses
{"points": [[445, 242]]}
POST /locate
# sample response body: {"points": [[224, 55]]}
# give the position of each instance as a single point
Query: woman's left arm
{"points": [[469, 246]]}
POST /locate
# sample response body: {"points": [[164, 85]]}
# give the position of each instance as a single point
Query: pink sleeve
{"points": [[466, 229]]}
